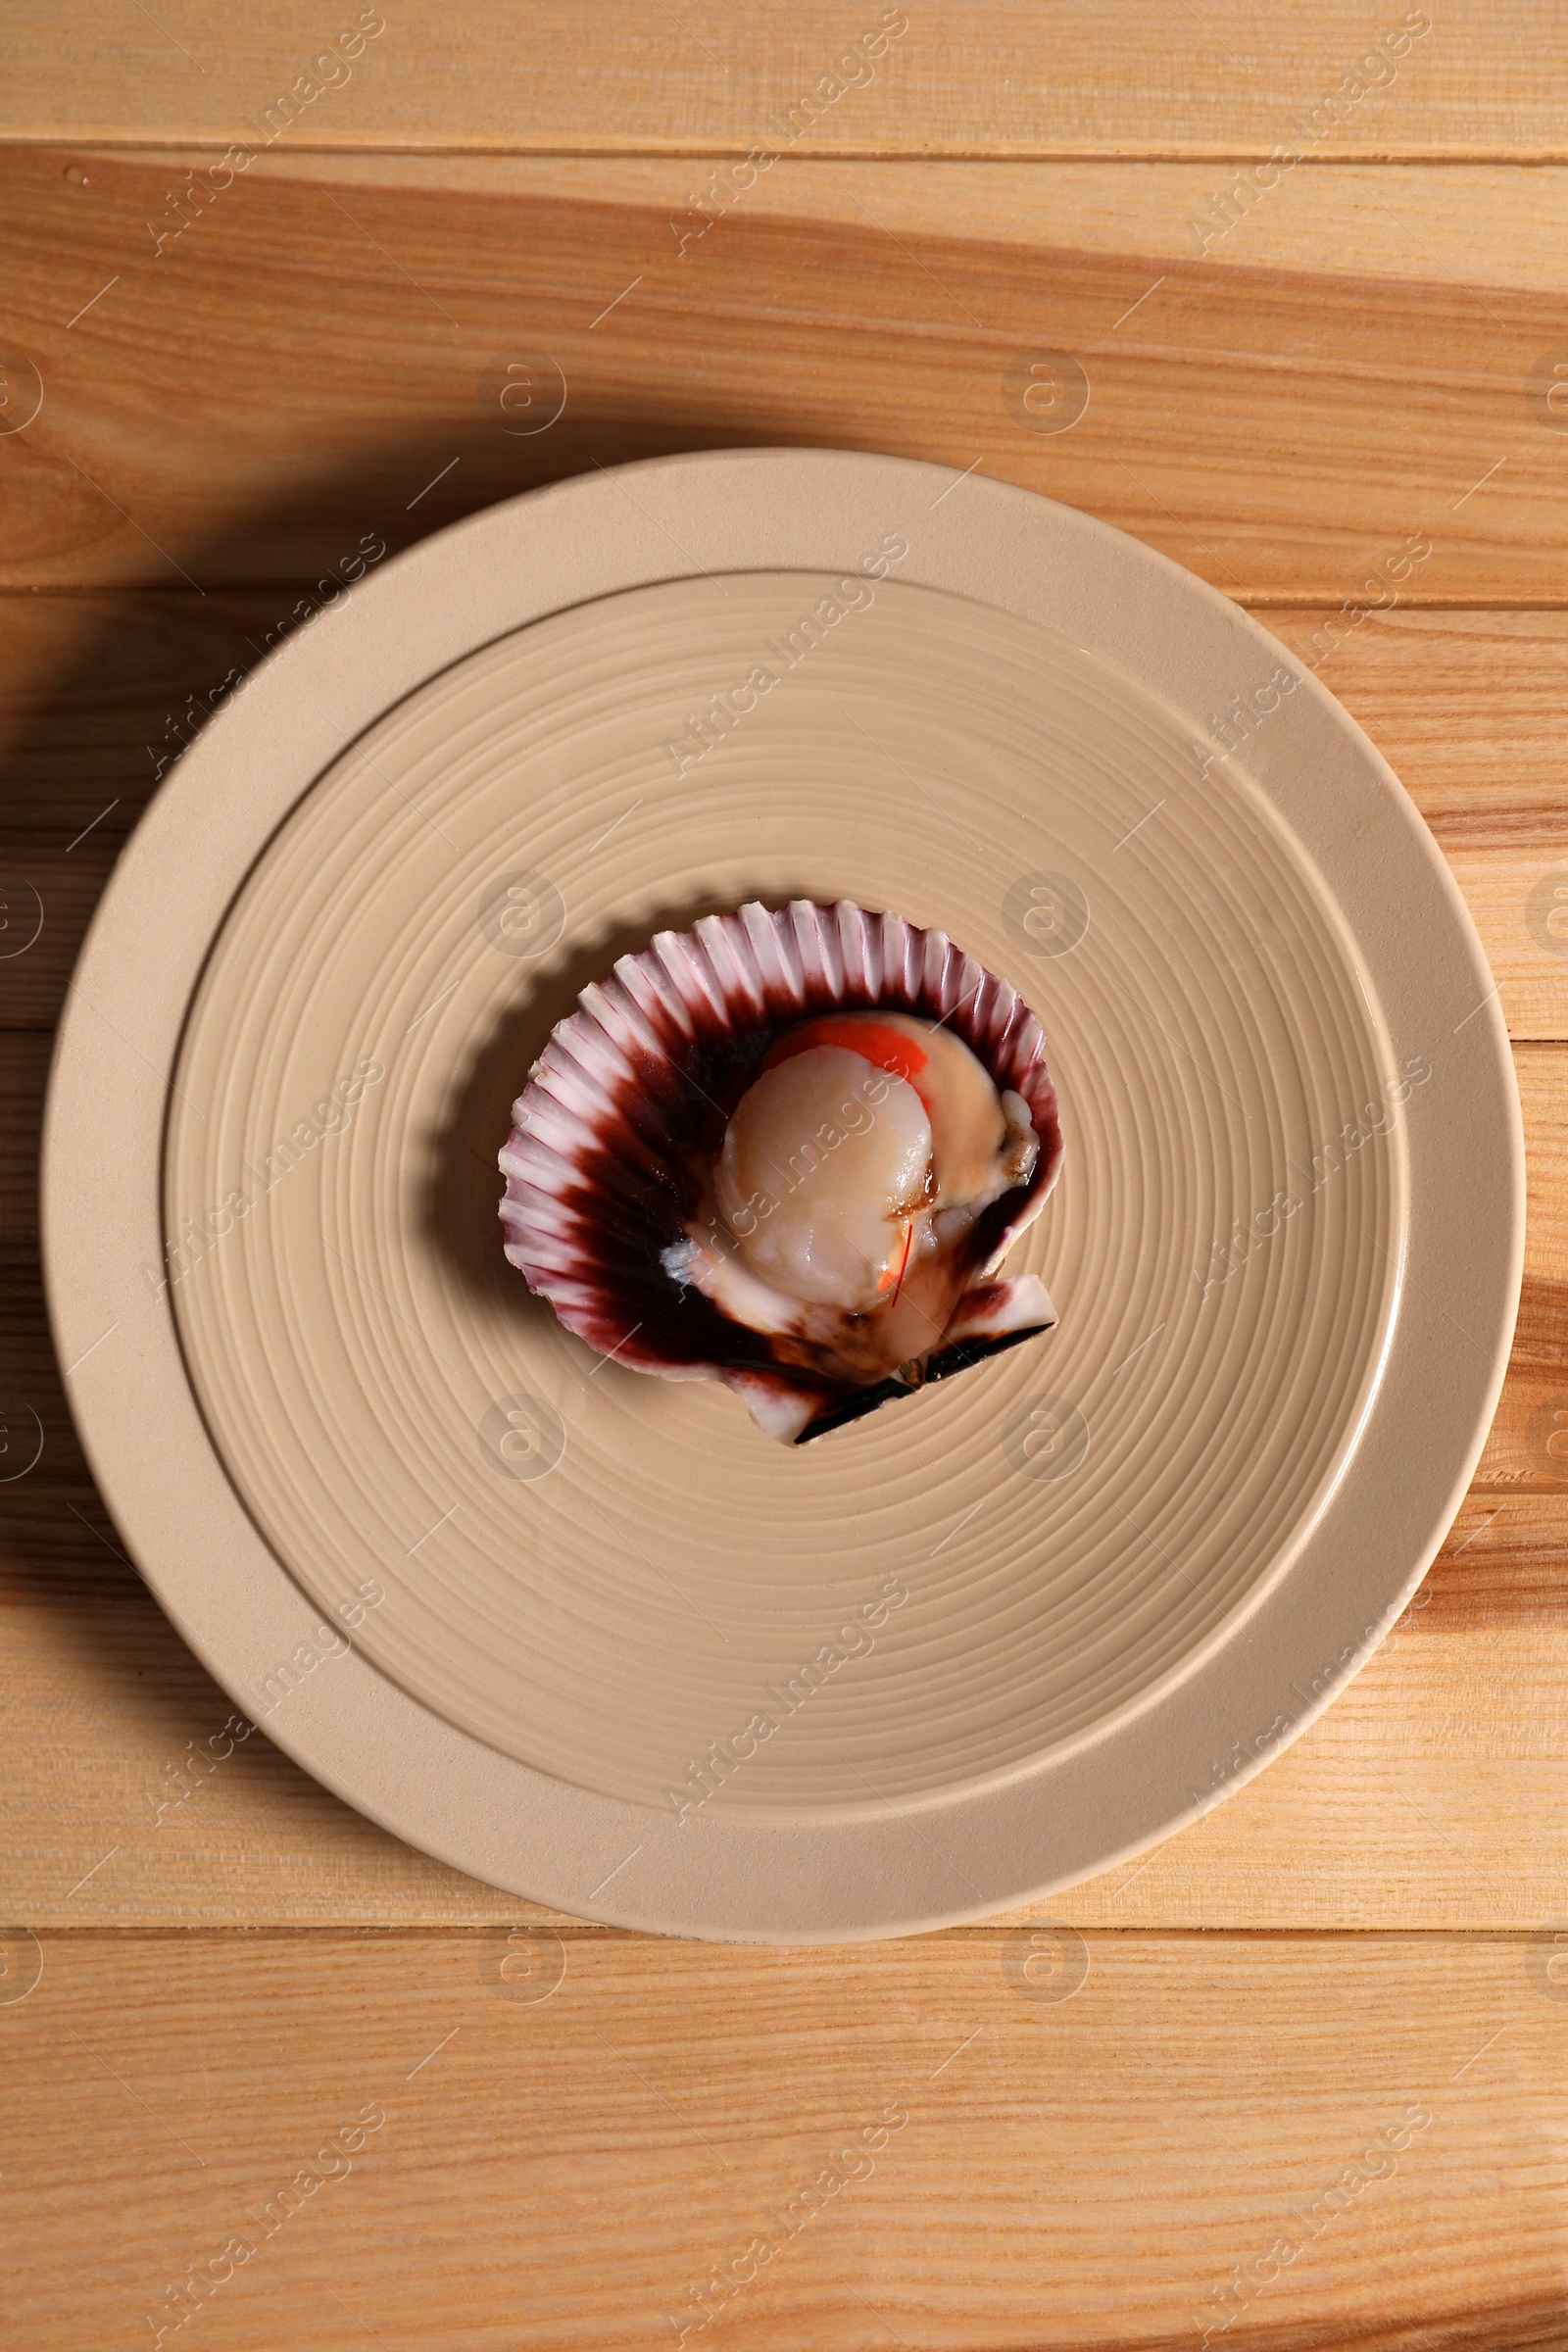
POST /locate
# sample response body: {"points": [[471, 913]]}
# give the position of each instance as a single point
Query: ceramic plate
{"points": [[589, 1635]]}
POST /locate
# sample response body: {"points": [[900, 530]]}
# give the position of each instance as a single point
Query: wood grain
{"points": [[1480, 226], [1281, 427], [963, 80], [1380, 2114], [1288, 375]]}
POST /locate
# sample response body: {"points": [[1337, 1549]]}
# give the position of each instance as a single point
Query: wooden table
{"points": [[282, 2078]]}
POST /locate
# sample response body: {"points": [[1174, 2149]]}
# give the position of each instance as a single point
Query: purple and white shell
{"points": [[612, 1163]]}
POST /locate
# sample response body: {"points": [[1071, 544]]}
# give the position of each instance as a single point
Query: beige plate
{"points": [[591, 1635]]}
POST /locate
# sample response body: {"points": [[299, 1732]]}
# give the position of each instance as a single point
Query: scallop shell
{"points": [[597, 1185]]}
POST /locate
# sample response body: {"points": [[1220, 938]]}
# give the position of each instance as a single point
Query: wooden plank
{"points": [[1282, 426], [1432, 1793], [98, 693], [1467, 709], [1486, 226], [1279, 2141], [1290, 2140], [1007, 78]]}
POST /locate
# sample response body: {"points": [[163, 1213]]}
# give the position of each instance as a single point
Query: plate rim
{"points": [[444, 1790]]}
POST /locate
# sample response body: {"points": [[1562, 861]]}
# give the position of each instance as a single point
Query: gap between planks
{"points": [[557, 1923], [1392, 158], [1267, 600]]}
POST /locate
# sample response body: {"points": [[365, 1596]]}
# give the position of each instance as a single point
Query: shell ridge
{"points": [[983, 1014], [707, 973], [681, 969], [596, 1053], [639, 975], [615, 1011], [895, 956], [908, 959], [742, 948], [830, 950], [933, 971], [808, 947], [575, 1087], [781, 979], [854, 946], [964, 979], [729, 951]]}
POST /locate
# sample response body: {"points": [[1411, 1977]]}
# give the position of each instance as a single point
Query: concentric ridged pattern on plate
{"points": [[594, 1185], [357, 1339]]}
